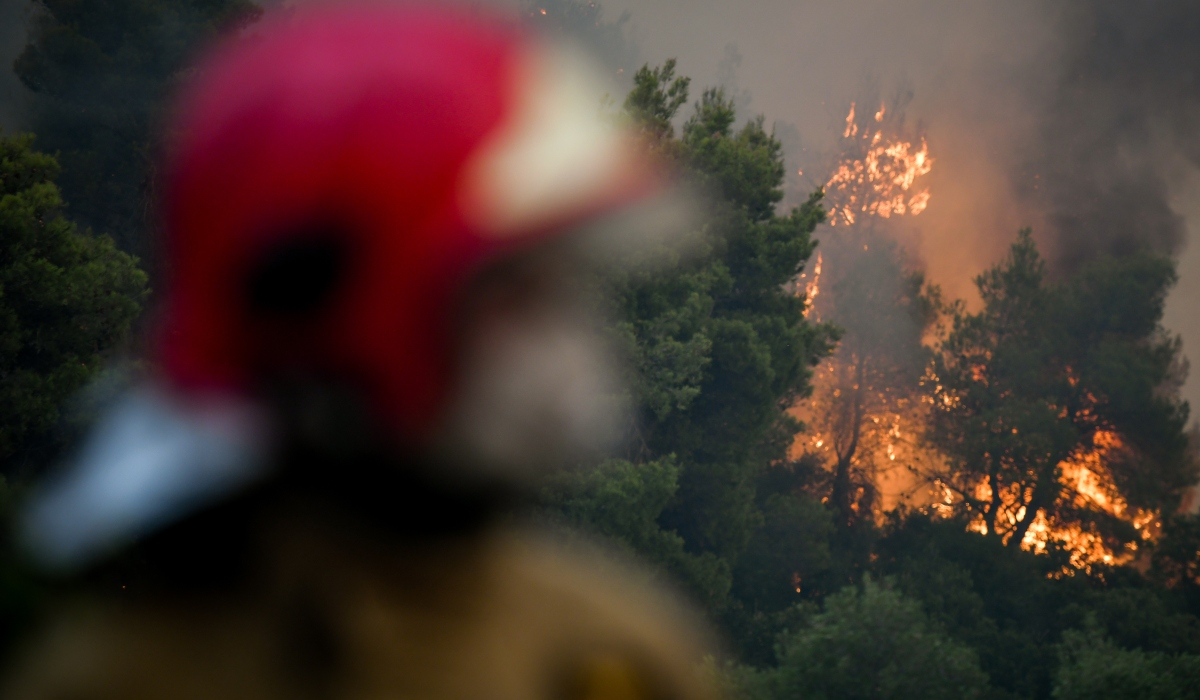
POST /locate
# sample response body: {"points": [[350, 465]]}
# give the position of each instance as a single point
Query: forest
{"points": [[871, 490]]}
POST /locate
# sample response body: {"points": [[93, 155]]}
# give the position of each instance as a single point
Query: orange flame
{"points": [[889, 452], [1088, 483], [878, 175], [1085, 482], [813, 287]]}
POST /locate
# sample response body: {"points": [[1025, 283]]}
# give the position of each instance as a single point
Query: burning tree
{"points": [[1057, 407], [1051, 418], [864, 413], [877, 172]]}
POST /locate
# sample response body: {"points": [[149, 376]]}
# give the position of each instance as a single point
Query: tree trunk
{"points": [[1031, 509], [842, 495], [994, 510]]}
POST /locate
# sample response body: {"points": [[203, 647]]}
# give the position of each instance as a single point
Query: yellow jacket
{"points": [[330, 612]]}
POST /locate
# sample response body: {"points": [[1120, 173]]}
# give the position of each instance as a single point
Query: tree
{"points": [[719, 349], [622, 502], [67, 299], [101, 71], [866, 411], [1092, 667], [1000, 601], [874, 643], [655, 99], [763, 348], [1176, 558], [1058, 401]]}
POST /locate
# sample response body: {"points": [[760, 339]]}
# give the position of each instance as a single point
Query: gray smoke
{"points": [[1071, 115], [1076, 117], [1123, 106]]}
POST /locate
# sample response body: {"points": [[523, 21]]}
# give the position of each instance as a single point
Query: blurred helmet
{"points": [[338, 184], [343, 177]]}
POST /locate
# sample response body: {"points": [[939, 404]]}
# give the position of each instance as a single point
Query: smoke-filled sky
{"points": [[1077, 118]]}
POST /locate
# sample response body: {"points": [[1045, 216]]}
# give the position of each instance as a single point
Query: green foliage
{"points": [[622, 502], [737, 346], [1043, 369], [66, 300], [745, 167], [998, 600], [1140, 616], [874, 643], [719, 349], [655, 99], [793, 538], [1094, 668], [100, 71], [1177, 554]]}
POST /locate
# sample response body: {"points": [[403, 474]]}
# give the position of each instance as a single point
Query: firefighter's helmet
{"points": [[339, 180]]}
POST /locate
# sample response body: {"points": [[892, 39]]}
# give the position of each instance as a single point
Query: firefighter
{"points": [[370, 346]]}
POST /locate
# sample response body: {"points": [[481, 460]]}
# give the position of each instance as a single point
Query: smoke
{"points": [[1075, 117], [1059, 116], [1124, 101]]}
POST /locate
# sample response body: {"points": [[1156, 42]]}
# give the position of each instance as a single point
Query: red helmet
{"points": [[340, 179], [338, 182]]}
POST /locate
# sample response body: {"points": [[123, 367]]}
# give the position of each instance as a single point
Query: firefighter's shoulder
{"points": [[606, 626], [519, 614], [513, 614]]}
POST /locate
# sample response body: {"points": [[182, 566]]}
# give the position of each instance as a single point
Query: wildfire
{"points": [[1085, 484], [889, 448], [878, 174], [1088, 484], [853, 419]]}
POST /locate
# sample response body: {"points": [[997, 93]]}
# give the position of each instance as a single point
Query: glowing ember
{"points": [[878, 174]]}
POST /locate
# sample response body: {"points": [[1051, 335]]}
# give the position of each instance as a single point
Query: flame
{"points": [[1088, 483], [877, 175], [1085, 483], [812, 288], [890, 448]]}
